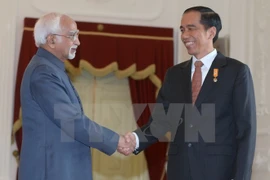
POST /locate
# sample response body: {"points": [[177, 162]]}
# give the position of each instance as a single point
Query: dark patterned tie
{"points": [[196, 81]]}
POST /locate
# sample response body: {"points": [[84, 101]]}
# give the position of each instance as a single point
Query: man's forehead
{"points": [[68, 23], [189, 20], [192, 16]]}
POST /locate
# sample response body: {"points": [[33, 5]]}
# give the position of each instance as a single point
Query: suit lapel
{"points": [[209, 84], [186, 73]]}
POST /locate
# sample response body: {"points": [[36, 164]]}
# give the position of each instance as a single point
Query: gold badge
{"points": [[215, 74]]}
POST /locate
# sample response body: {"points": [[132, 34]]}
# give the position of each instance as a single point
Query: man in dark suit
{"points": [[213, 122]]}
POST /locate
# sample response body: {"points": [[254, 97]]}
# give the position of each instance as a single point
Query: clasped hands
{"points": [[126, 144]]}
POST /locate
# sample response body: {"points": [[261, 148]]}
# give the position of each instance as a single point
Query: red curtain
{"points": [[143, 92], [141, 53]]}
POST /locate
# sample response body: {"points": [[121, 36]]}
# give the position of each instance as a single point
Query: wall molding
{"points": [[122, 9], [7, 56], [250, 43]]}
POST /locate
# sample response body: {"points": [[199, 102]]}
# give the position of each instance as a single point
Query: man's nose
{"points": [[77, 42], [184, 35]]}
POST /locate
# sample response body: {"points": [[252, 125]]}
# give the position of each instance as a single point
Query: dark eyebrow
{"points": [[190, 26], [187, 26]]}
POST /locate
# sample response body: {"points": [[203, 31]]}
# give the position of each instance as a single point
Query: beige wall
{"points": [[246, 22]]}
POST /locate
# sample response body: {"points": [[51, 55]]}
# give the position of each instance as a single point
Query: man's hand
{"points": [[127, 144]]}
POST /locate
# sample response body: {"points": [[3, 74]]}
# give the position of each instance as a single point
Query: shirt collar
{"points": [[50, 57], [206, 60]]}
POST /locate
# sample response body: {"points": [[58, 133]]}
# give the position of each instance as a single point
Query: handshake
{"points": [[126, 144]]}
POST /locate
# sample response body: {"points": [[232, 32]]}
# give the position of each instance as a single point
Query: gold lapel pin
{"points": [[215, 74]]}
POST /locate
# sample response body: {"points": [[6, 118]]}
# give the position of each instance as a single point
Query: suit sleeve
{"points": [[158, 124], [245, 116], [50, 94]]}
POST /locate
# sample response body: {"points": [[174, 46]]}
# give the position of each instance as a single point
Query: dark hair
{"points": [[209, 18]]}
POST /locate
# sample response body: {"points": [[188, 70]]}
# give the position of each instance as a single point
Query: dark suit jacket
{"points": [[223, 149]]}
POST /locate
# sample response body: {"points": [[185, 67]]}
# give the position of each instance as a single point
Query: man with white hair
{"points": [[57, 136]]}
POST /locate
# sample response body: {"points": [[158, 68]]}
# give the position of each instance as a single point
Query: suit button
{"points": [[191, 125], [180, 121], [189, 144]]}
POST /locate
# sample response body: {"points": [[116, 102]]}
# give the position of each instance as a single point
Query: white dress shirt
{"points": [[207, 62]]}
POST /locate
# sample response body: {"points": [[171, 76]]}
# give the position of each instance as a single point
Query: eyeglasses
{"points": [[73, 37]]}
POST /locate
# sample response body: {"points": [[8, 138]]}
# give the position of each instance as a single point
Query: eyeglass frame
{"points": [[73, 37]]}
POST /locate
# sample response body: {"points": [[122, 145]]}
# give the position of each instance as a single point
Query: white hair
{"points": [[47, 24]]}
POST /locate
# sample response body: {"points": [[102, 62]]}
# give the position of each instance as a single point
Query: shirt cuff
{"points": [[137, 140]]}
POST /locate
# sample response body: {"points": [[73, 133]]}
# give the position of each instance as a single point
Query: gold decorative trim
{"points": [[132, 36], [156, 81], [100, 27], [127, 72], [15, 153], [16, 126], [151, 69], [99, 72], [148, 72], [93, 33]]}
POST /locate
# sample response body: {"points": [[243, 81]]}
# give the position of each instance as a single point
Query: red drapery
{"points": [[141, 53]]}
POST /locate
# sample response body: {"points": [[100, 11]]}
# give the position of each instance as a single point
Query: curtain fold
{"points": [[141, 93], [141, 53], [111, 95]]}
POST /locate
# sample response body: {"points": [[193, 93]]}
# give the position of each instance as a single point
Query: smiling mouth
{"points": [[189, 44], [74, 49]]}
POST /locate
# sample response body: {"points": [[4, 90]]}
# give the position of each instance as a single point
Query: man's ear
{"points": [[212, 32], [51, 41]]}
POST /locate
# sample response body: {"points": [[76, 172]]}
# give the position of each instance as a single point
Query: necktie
{"points": [[196, 81]]}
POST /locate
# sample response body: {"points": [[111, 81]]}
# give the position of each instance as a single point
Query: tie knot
{"points": [[198, 64]]}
